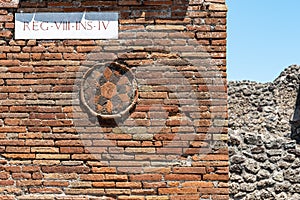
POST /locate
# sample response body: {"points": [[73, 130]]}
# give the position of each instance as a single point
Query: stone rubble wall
{"points": [[264, 161]]}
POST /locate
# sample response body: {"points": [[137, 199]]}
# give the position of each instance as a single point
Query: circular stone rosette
{"points": [[109, 91]]}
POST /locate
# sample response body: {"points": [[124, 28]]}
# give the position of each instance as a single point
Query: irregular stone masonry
{"points": [[264, 161], [171, 146]]}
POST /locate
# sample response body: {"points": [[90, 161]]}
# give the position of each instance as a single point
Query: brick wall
{"points": [[171, 144]]}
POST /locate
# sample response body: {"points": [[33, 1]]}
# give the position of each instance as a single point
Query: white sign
{"points": [[87, 25]]}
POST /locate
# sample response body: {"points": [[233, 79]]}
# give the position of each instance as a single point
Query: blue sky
{"points": [[263, 38]]}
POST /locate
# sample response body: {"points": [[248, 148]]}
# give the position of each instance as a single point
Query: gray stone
{"points": [[267, 194], [278, 176], [239, 195], [296, 163], [237, 159], [289, 157], [257, 194], [135, 130], [248, 187], [234, 188], [283, 164], [274, 159], [295, 188], [236, 178], [249, 178], [257, 150], [231, 151], [237, 168], [142, 137], [265, 183], [295, 196], [275, 144], [252, 166], [292, 175], [274, 152], [234, 140], [263, 174], [282, 187], [250, 138], [290, 145], [247, 92], [268, 166], [295, 151], [260, 157], [282, 196], [247, 153], [250, 196]]}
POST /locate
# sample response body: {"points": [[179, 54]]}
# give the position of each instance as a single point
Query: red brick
{"points": [[46, 190], [12, 129], [6, 182], [104, 184], [145, 177], [51, 56], [37, 176], [29, 183], [182, 177], [199, 184], [21, 175], [189, 170], [104, 170], [177, 190], [74, 56], [214, 190], [116, 177], [70, 143], [92, 177], [13, 168], [71, 150], [10, 149], [215, 177], [4, 175], [65, 169], [128, 184], [7, 197], [184, 197], [39, 142], [6, 34], [18, 156], [56, 183]]}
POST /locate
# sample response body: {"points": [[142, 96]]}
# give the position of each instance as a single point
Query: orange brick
{"points": [[104, 184], [71, 150], [189, 170], [6, 182], [4, 175], [182, 177], [145, 177], [92, 177], [128, 184], [215, 177], [46, 190], [177, 190], [29, 183]]}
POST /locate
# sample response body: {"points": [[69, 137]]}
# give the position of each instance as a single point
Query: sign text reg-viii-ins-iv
{"points": [[90, 25]]}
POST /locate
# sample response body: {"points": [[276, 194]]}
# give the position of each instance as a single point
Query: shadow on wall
{"points": [[295, 120], [148, 9]]}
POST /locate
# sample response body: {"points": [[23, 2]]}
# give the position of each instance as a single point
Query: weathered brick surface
{"points": [[172, 146]]}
